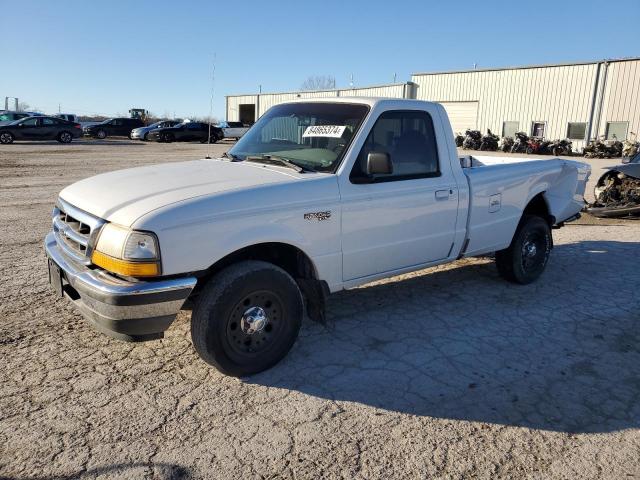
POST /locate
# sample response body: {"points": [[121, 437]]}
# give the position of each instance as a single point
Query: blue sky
{"points": [[106, 57]]}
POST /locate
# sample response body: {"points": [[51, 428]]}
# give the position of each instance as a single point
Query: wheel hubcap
{"points": [[255, 323], [253, 320], [533, 252]]}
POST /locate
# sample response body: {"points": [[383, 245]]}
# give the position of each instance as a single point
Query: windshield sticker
{"points": [[333, 131]]}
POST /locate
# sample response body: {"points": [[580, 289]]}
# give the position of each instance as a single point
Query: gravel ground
{"points": [[444, 373]]}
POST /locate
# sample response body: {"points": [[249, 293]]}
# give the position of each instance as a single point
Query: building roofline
{"points": [[524, 67], [292, 92]]}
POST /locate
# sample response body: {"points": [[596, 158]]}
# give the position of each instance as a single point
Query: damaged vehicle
{"points": [[617, 192], [319, 196]]}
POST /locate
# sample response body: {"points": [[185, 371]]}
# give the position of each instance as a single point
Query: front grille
{"points": [[75, 231]]}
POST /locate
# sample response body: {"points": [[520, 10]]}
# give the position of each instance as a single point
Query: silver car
{"points": [[141, 133]]}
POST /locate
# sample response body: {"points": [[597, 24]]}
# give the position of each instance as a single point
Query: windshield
{"points": [[315, 135]]}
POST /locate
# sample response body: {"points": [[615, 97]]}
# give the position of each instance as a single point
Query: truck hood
{"points": [[124, 196]]}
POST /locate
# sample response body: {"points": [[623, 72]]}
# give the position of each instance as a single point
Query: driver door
{"points": [[28, 129], [403, 219]]}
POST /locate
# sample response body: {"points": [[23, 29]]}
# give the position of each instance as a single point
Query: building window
{"points": [[509, 129], [537, 129], [576, 130], [617, 130]]}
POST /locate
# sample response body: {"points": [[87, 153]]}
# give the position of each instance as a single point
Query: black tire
{"points": [[129, 136], [146, 137], [6, 138], [101, 134], [529, 151], [526, 258], [65, 137], [167, 137], [222, 315]]}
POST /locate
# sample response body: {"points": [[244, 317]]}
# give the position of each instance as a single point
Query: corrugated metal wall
{"points": [[555, 95], [621, 95], [264, 101]]}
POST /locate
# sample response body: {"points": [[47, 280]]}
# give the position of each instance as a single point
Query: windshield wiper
{"points": [[232, 156], [275, 160]]}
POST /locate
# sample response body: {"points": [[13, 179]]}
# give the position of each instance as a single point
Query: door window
{"points": [[409, 139], [116, 122], [31, 122], [49, 121]]}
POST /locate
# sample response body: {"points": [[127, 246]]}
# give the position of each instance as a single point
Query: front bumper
{"points": [[131, 311]]}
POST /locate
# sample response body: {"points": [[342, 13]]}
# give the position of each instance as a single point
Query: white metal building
{"points": [[577, 100], [248, 108]]}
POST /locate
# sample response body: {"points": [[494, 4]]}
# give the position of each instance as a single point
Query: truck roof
{"points": [[371, 101]]}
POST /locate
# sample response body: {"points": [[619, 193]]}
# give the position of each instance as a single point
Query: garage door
{"points": [[462, 115]]}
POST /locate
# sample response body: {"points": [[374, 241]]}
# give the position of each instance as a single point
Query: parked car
{"points": [[186, 132], [142, 132], [69, 117], [113, 127], [40, 128], [7, 116], [351, 191], [233, 129]]}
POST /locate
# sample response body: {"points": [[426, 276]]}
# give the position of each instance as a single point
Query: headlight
{"points": [[127, 252]]}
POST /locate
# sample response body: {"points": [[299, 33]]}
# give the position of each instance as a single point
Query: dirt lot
{"points": [[444, 373]]}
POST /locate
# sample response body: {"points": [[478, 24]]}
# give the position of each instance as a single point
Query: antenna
{"points": [[213, 80]]}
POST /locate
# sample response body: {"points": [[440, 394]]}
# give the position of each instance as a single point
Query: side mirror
{"points": [[379, 163]]}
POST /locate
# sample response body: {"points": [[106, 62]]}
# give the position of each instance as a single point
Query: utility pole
{"points": [[394, 78], [351, 81], [58, 108], [6, 103]]}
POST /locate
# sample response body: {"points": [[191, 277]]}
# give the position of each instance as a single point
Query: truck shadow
{"points": [[160, 471], [460, 343]]}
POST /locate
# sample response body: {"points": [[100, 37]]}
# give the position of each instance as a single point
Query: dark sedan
{"points": [[40, 128], [113, 127], [186, 132]]}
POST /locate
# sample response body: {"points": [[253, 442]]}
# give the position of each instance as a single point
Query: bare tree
{"points": [[319, 82], [23, 106]]}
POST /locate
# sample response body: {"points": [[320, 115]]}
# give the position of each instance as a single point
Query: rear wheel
{"points": [[6, 138], [526, 258], [247, 318], [65, 137]]}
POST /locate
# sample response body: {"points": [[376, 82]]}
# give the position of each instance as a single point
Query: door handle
{"points": [[443, 194]]}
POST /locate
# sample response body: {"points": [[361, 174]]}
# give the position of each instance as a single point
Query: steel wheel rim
{"points": [[239, 338], [533, 251]]}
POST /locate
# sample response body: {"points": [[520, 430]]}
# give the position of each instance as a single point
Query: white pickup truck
{"points": [[232, 129], [319, 196]]}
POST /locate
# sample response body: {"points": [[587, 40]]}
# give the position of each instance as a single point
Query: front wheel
{"points": [[6, 138], [247, 318], [101, 134], [167, 137], [526, 258]]}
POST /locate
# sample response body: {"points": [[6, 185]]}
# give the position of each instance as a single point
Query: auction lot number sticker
{"points": [[333, 131]]}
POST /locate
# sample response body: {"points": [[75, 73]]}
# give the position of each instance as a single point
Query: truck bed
{"points": [[501, 187]]}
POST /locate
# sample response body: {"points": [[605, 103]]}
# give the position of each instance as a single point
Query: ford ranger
{"points": [[318, 196]]}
